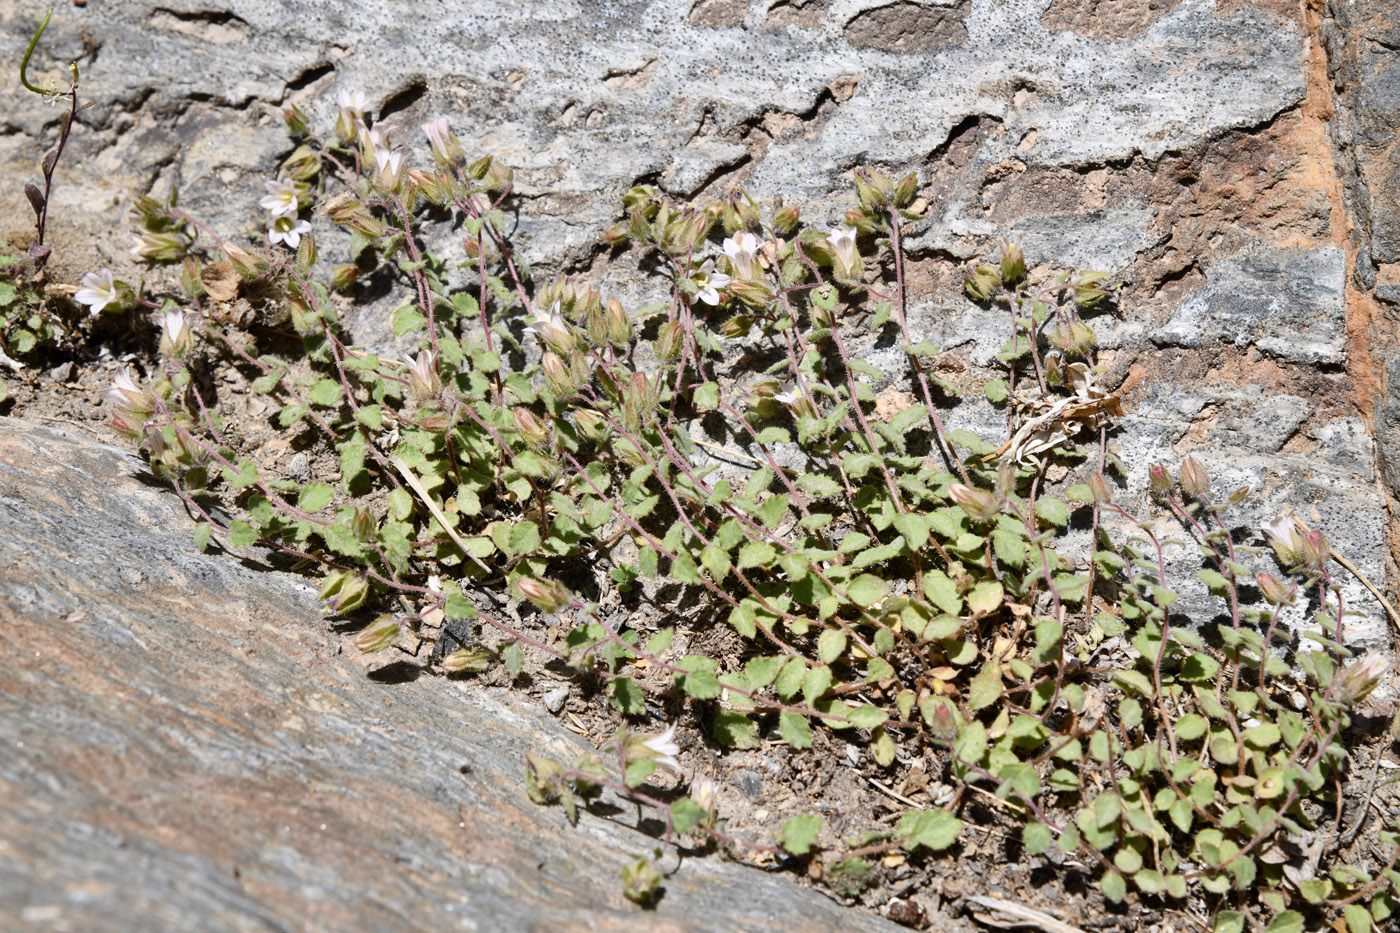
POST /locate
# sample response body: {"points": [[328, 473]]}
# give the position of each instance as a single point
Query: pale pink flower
{"points": [[281, 199], [287, 230], [708, 282]]}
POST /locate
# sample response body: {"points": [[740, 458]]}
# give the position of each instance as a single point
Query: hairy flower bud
{"points": [[619, 324], [1314, 551], [1102, 493], [343, 277], [1160, 480], [979, 504], [1087, 289], [382, 633], [556, 376], [786, 219], [1356, 681], [1013, 263], [906, 189], [981, 282], [546, 596], [589, 423], [1193, 478], [529, 427], [297, 120], [1275, 592], [343, 591], [754, 294], [669, 340], [175, 334], [447, 148]]}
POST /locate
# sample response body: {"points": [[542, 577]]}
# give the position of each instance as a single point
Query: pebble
{"points": [[298, 467], [554, 700]]}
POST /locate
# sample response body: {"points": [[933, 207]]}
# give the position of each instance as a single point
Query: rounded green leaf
{"points": [[316, 497], [866, 590]]}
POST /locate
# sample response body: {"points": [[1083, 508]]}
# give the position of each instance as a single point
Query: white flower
{"points": [[704, 792], [422, 374], [281, 200], [664, 749], [175, 332], [549, 326], [708, 282], [446, 148], [789, 397], [124, 391], [287, 230], [742, 251], [351, 103], [98, 291], [389, 167], [843, 242]]}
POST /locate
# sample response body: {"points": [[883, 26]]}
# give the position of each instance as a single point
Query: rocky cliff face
{"points": [[1234, 164]]}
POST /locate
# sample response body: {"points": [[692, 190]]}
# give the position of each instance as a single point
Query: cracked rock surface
{"points": [[1235, 165], [180, 743]]}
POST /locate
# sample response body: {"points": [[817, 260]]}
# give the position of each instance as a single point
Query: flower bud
{"points": [[160, 247], [246, 264], [467, 661], [548, 597], [1160, 480], [128, 397], [589, 423], [1099, 487], [1006, 478], [556, 376], [752, 293], [306, 251], [430, 185], [297, 120], [668, 341], [382, 633], [619, 324], [640, 880], [1193, 478], [905, 191], [343, 591], [343, 277], [362, 524], [786, 219], [447, 148], [302, 165], [979, 504], [1356, 681], [175, 334], [736, 327], [981, 282], [529, 427], [1275, 593], [616, 235], [1314, 552], [1013, 264], [1087, 289]]}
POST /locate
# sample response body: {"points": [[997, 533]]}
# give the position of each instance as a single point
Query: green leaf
{"points": [[1358, 919], [1199, 667], [246, 475], [1114, 887], [929, 829], [315, 497], [659, 642], [866, 590], [1191, 726], [800, 832], [1055, 512], [524, 538], [324, 393], [790, 678], [756, 554], [1228, 921], [705, 397], [201, 535], [986, 688], [795, 729], [831, 644], [1036, 837], [1290, 921], [818, 485], [686, 814], [997, 391], [513, 656], [370, 416], [241, 534], [942, 592], [867, 717], [627, 696], [735, 730]]}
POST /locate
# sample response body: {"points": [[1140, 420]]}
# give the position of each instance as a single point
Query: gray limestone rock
{"points": [[1287, 302], [184, 748]]}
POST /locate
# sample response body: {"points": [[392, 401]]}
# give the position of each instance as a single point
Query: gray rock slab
{"points": [[1290, 303], [184, 748]]}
